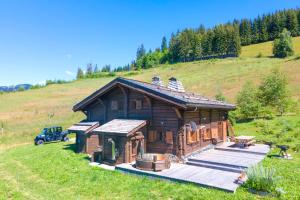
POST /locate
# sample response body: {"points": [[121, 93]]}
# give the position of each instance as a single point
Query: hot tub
{"points": [[152, 162]]}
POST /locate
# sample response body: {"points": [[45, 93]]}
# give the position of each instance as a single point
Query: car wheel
{"points": [[66, 139], [40, 142]]}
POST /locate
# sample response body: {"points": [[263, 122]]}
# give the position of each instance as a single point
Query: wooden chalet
{"points": [[127, 116]]}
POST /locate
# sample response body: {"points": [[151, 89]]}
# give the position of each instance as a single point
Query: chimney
{"points": [[175, 85], [157, 81]]}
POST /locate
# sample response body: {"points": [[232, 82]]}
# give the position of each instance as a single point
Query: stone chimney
{"points": [[175, 85], [157, 81]]}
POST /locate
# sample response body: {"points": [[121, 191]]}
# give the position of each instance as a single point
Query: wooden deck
{"points": [[215, 168]]}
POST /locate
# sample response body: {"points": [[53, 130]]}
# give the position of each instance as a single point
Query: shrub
{"points": [[296, 148], [261, 178], [247, 101], [273, 91], [265, 128], [283, 46]]}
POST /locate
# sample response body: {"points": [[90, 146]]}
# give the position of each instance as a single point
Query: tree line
{"points": [[220, 41]]}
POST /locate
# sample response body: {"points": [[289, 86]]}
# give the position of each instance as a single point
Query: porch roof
{"points": [[84, 127], [124, 127]]}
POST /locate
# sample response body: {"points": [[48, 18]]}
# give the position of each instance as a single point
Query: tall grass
{"points": [[261, 178]]}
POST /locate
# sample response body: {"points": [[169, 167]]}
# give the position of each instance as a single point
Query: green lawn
{"points": [[54, 171]]}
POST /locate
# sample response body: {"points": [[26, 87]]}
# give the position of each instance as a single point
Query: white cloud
{"points": [[69, 73]]}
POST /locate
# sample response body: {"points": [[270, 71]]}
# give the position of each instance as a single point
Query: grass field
{"points": [[54, 171]]}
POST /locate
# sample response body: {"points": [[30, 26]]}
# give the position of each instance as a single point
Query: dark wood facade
{"points": [[166, 130]]}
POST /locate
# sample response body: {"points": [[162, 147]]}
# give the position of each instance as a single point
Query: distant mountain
{"points": [[14, 87]]}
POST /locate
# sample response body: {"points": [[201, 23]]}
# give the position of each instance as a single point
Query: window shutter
{"points": [[188, 135], [169, 137], [207, 135], [152, 136], [198, 134]]}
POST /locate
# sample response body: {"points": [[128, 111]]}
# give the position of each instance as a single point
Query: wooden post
{"points": [[125, 93]]}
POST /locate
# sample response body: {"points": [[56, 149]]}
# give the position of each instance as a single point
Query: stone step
{"points": [[217, 163], [237, 150], [212, 166]]}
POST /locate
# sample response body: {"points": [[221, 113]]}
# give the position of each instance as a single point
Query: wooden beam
{"points": [[149, 100], [125, 93], [178, 113], [104, 106]]}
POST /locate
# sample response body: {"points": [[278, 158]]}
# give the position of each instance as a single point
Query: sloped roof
{"points": [[84, 127], [181, 99], [121, 126]]}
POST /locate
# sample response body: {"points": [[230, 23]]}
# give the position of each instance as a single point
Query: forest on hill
{"points": [[223, 40], [220, 41]]}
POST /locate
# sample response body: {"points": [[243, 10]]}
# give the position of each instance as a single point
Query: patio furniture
{"points": [[244, 141]]}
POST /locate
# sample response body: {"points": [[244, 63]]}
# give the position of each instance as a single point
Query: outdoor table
{"points": [[244, 141]]}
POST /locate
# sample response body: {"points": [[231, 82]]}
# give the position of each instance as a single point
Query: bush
{"points": [[261, 178], [283, 46], [265, 128], [247, 101], [273, 91], [296, 148]]}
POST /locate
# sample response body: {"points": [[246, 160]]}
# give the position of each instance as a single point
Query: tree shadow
{"points": [[70, 147], [240, 121]]}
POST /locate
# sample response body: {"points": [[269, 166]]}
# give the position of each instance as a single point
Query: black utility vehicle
{"points": [[49, 134]]}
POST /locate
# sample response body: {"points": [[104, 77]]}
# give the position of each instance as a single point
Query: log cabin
{"points": [[127, 116]]}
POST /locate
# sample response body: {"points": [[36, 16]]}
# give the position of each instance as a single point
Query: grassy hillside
{"points": [[265, 48], [23, 114]]}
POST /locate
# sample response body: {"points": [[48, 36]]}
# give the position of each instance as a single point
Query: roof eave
{"points": [[212, 106], [79, 106]]}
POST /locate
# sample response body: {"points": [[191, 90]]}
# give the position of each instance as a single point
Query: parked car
{"points": [[49, 134]]}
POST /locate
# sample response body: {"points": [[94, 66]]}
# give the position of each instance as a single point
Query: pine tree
{"points": [[174, 48], [164, 45], [283, 46], [233, 41], [96, 70], [80, 74], [274, 27], [245, 31], [140, 52], [206, 43], [262, 29], [273, 91], [89, 69], [298, 15], [254, 31], [292, 23]]}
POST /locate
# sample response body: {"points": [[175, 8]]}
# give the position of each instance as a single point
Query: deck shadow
{"points": [[72, 147]]}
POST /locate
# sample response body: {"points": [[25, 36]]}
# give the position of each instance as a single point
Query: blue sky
{"points": [[43, 39]]}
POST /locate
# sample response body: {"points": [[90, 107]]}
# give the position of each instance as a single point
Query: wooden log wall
{"points": [[93, 140]]}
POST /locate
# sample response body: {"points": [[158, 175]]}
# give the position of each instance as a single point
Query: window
{"points": [[169, 137], [114, 105], [136, 104], [155, 136], [152, 136], [192, 136]]}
